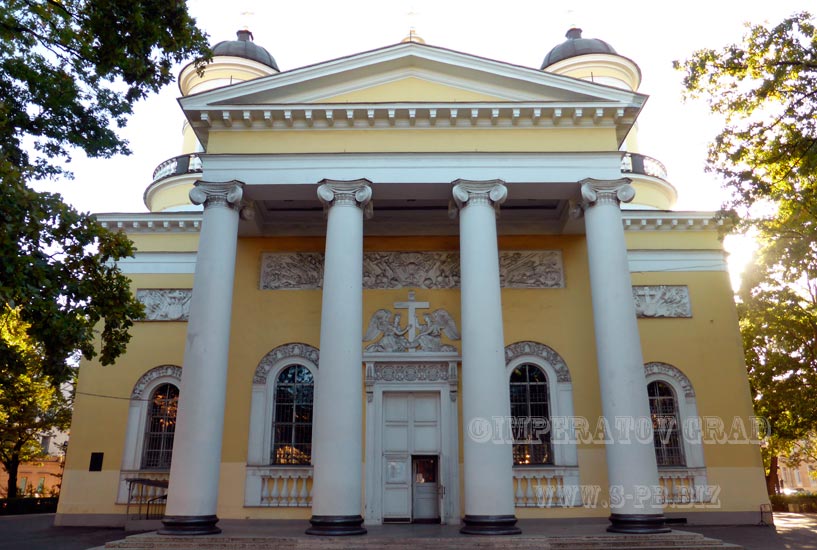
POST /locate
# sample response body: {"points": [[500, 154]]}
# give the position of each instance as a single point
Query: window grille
{"points": [[292, 420], [530, 413], [666, 426], [160, 428]]}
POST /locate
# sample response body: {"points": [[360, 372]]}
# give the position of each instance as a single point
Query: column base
{"points": [[638, 524], [189, 525], [336, 526], [490, 525]]}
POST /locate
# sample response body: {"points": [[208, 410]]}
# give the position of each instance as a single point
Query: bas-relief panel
{"points": [[662, 301], [165, 304], [394, 270]]}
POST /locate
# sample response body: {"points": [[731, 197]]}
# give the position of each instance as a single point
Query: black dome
{"points": [[575, 46], [244, 47]]}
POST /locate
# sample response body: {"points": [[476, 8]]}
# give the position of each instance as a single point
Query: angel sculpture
{"points": [[437, 322], [392, 340]]}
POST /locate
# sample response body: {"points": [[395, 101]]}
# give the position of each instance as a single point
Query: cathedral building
{"points": [[417, 285]]}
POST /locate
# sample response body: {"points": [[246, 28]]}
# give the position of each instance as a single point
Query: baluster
{"points": [[303, 495], [264, 490], [284, 489], [274, 494], [293, 492], [310, 492], [560, 491], [518, 492], [530, 497]]}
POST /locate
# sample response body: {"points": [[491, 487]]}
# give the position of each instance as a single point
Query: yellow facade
{"points": [[705, 347]]}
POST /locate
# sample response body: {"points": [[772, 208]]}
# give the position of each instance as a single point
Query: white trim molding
{"points": [[676, 260], [177, 263]]}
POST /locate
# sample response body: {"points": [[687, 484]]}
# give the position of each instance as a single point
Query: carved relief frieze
{"points": [[411, 372], [388, 335], [398, 269], [292, 351], [170, 371], [662, 301], [291, 270], [165, 304], [535, 349]]}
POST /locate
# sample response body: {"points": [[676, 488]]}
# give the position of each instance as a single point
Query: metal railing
{"points": [[183, 164], [635, 163], [146, 498]]}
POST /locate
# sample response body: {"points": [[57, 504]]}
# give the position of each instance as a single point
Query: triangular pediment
{"points": [[410, 72]]}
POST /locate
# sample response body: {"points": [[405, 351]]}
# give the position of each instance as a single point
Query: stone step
{"points": [[670, 541]]}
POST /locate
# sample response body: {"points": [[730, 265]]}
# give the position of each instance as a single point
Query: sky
{"points": [[652, 33]]}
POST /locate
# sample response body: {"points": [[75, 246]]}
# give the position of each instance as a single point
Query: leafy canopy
{"points": [[766, 90], [70, 71], [31, 403]]}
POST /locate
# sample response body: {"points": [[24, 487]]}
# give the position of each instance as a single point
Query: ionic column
{"points": [[194, 472], [488, 461], [337, 432], [631, 465]]}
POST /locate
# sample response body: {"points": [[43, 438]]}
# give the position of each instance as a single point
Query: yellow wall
{"points": [[706, 348], [409, 89], [383, 140]]}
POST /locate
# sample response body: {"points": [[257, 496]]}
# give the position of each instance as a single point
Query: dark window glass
{"points": [[665, 424], [530, 411], [292, 420], [160, 428]]}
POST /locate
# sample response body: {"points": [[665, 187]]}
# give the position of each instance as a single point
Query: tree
{"points": [[766, 155], [70, 71], [31, 404]]}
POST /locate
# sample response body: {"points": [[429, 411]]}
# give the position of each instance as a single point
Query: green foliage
{"points": [[71, 69], [31, 403], [766, 89]]}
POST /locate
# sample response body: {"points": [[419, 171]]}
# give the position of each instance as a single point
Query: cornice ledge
{"points": [[151, 222], [670, 221]]}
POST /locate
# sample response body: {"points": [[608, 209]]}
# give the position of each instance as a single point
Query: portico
{"points": [[431, 391]]}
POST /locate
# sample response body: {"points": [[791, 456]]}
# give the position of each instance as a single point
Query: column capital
{"points": [[217, 194], [489, 192], [595, 192], [345, 192]]}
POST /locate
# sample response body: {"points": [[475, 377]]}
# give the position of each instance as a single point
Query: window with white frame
{"points": [[665, 424], [292, 416], [530, 414], [160, 427], [281, 406], [677, 425], [152, 420], [541, 406]]}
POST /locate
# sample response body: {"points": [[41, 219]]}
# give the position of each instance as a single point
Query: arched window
{"points": [[160, 427], [281, 407], [667, 439], [292, 421], [530, 411]]}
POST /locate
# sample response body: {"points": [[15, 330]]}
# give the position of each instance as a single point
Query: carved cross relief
{"points": [[388, 334]]}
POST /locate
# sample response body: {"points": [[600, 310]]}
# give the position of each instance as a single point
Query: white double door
{"points": [[411, 451]]}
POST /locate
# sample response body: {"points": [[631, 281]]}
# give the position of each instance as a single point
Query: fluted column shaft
{"points": [[488, 464], [631, 464], [337, 433], [194, 472]]}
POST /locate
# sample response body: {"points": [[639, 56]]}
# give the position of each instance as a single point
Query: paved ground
{"points": [[35, 532]]}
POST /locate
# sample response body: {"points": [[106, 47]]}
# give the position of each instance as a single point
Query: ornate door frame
{"points": [[412, 372]]}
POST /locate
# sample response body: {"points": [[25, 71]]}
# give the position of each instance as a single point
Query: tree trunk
{"points": [[771, 478], [11, 469]]}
